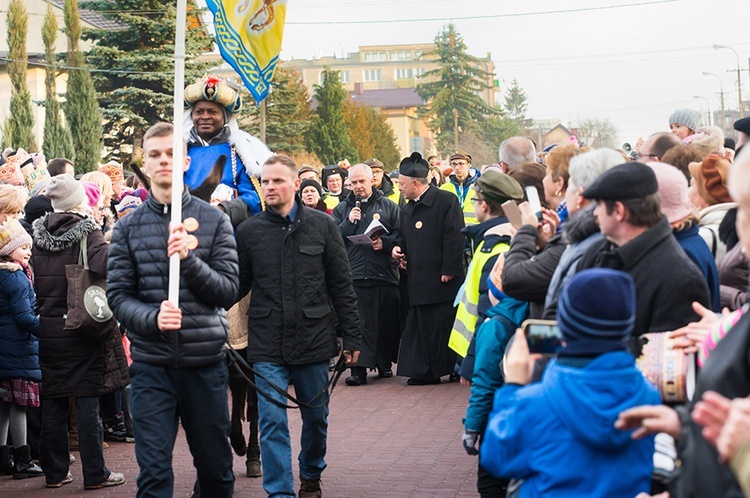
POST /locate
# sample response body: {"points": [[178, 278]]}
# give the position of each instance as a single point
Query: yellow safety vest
{"points": [[467, 313], [467, 206], [331, 201]]}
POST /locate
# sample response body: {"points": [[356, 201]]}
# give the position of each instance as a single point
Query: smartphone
{"points": [[533, 196], [510, 208], [543, 336]]}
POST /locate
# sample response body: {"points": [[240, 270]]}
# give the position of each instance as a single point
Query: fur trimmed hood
{"points": [[251, 150], [10, 266], [56, 232]]}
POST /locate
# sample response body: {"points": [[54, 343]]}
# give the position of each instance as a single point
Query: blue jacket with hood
{"points": [[558, 435]]}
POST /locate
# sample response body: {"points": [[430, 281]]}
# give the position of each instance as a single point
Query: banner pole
{"points": [[178, 155]]}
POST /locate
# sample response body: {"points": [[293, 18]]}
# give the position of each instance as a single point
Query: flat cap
{"points": [[374, 163], [498, 187], [625, 181], [743, 125], [414, 166], [459, 154]]}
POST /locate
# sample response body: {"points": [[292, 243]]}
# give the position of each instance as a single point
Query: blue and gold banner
{"points": [[249, 34]]}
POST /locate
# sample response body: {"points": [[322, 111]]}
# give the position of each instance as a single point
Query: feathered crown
{"points": [[213, 89]]}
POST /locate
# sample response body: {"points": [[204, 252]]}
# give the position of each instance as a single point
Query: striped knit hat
{"points": [[12, 236]]}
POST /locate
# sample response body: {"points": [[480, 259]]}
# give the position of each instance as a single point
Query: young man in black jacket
{"points": [[293, 259], [178, 370]]}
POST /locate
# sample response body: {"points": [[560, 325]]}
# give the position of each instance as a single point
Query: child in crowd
{"points": [[19, 350], [684, 122]]}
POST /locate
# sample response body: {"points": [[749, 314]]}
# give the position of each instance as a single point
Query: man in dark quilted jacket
{"points": [[293, 260], [179, 371]]}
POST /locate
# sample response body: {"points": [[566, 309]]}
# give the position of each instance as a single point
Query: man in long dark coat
{"points": [[430, 248]]}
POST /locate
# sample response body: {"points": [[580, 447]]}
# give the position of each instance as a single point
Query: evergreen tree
{"points": [[19, 127], [137, 88], [329, 137], [57, 139], [453, 86], [384, 139], [288, 113], [81, 107], [516, 105]]}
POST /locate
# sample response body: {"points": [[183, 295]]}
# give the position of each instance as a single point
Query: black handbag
{"points": [[88, 310]]}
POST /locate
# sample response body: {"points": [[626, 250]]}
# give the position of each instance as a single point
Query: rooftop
{"points": [[389, 98], [91, 17]]}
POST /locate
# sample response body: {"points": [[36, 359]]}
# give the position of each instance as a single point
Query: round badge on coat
{"points": [[418, 225], [191, 224], [192, 242], [376, 216]]}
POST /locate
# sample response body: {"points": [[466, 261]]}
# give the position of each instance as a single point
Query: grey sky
{"points": [[633, 65]]}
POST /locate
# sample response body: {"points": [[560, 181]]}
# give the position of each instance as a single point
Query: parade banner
{"points": [[249, 34]]}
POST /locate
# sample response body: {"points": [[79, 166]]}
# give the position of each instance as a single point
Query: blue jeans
{"points": [[54, 454], [160, 396], [275, 445]]}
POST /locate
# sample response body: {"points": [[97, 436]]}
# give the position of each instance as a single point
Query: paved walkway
{"points": [[385, 439]]}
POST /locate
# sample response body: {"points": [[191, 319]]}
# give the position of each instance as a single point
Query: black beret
{"points": [[414, 166], [625, 181], [334, 169], [743, 125]]}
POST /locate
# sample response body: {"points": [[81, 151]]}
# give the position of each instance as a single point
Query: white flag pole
{"points": [[178, 157]]}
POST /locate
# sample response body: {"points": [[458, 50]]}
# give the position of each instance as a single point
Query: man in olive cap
{"points": [[638, 240], [460, 182], [382, 182], [430, 240]]}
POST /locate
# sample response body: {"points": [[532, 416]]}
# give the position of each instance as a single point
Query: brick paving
{"points": [[385, 439]]}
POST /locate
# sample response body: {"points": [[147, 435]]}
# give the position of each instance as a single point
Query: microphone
{"points": [[358, 205]]}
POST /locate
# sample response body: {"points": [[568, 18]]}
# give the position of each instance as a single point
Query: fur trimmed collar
{"points": [[10, 266], [59, 241], [252, 151]]}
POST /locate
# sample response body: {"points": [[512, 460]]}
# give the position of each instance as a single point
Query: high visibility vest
{"points": [[331, 201], [464, 198], [467, 313]]}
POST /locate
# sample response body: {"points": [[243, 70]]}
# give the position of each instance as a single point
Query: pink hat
{"points": [[673, 190], [93, 192]]}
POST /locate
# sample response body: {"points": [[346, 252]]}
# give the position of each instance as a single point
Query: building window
{"points": [[401, 55], [417, 54], [371, 75], [407, 73], [375, 57], [343, 77]]}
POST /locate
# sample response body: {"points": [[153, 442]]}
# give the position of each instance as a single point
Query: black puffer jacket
{"points": [[72, 364], [138, 282], [296, 272], [366, 263]]}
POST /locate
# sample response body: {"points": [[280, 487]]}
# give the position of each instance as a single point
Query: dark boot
{"points": [[6, 460], [114, 430], [23, 466], [239, 392]]}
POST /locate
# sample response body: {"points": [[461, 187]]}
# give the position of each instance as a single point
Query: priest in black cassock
{"points": [[430, 248]]}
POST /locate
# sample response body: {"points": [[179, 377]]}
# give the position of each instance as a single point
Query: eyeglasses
{"points": [[638, 155], [476, 199]]}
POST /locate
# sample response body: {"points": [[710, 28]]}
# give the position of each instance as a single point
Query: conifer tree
{"points": [[57, 139], [288, 114], [454, 84], [19, 128], [516, 105], [81, 107], [329, 136], [135, 90]]}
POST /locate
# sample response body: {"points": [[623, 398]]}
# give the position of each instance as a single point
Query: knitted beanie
{"points": [[596, 312], [93, 192], [65, 192], [12, 236], [673, 191], [310, 183], [686, 117]]}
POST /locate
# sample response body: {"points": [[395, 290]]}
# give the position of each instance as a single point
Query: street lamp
{"points": [[721, 86], [739, 79], [708, 106]]}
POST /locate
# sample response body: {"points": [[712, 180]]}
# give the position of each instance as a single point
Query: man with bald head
{"points": [[655, 146], [373, 272], [515, 151]]}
